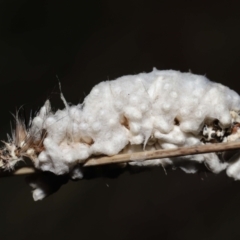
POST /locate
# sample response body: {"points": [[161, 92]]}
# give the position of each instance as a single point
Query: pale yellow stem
{"points": [[146, 155], [163, 153]]}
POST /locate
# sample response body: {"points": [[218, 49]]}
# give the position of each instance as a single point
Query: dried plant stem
{"points": [[141, 156], [163, 153], [18, 172], [24, 171]]}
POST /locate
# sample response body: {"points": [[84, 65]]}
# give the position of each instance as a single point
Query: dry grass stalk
{"points": [[163, 153], [141, 156]]}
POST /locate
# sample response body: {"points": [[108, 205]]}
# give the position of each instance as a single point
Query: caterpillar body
{"points": [[156, 110]]}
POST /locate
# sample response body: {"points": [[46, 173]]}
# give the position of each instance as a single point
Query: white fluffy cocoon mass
{"points": [[156, 110]]}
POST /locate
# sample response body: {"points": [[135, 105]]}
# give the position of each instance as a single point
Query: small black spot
{"points": [[213, 135], [216, 123], [176, 122], [5, 152]]}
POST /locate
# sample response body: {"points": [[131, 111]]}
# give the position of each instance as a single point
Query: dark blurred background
{"points": [[85, 42]]}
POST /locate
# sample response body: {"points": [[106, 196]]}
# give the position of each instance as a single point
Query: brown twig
{"points": [[163, 153], [18, 172], [141, 156]]}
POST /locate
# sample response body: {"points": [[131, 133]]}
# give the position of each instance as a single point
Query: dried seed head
{"points": [[9, 156], [22, 143]]}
